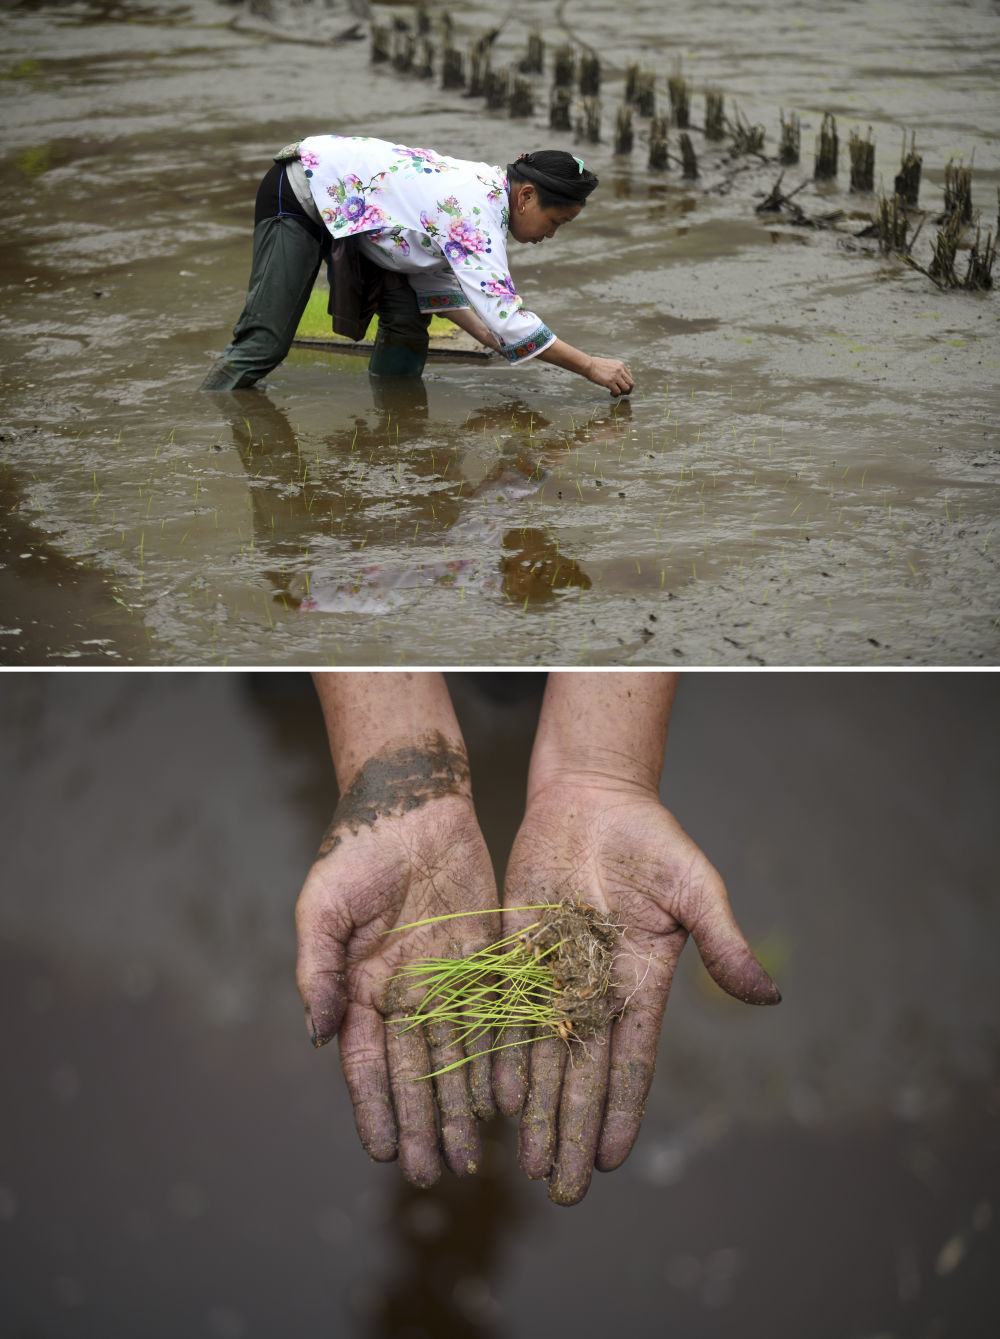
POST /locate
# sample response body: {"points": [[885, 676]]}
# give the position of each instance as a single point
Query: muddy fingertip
{"points": [[568, 1189]]}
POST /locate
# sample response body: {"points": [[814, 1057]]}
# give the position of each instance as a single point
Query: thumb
{"points": [[320, 969], [724, 951]]}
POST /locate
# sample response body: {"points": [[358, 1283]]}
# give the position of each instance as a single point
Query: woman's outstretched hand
{"points": [[616, 847], [404, 845], [612, 374]]}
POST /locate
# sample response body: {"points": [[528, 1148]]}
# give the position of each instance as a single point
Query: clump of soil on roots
{"points": [[578, 943]]}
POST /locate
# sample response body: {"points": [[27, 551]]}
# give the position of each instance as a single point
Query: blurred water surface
{"points": [[175, 1159]]}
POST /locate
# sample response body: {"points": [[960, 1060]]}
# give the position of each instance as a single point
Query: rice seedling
{"points": [[496, 84], [746, 138], [560, 107], [827, 149], [590, 76], [644, 95], [624, 136], [379, 52], [564, 67], [478, 63], [452, 68], [533, 60], [715, 114], [945, 248], [688, 157], [979, 271], [862, 153], [658, 142], [588, 124], [520, 100], [552, 978], [791, 138], [907, 183], [958, 192], [631, 75], [424, 68], [404, 48], [679, 91]]}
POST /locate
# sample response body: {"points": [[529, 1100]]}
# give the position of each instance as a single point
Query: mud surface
{"points": [[175, 1159], [807, 472]]}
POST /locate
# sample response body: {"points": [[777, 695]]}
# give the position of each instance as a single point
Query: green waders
{"points": [[286, 261]]}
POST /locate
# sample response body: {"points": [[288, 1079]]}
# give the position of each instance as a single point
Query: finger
{"points": [[319, 970], [537, 1133], [510, 1070], [512, 1061], [480, 1069], [478, 1048], [363, 1060], [581, 1108], [724, 951], [633, 1042], [459, 1132], [413, 1099]]}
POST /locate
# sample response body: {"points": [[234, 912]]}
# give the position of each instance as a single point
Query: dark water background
{"points": [[176, 1160]]}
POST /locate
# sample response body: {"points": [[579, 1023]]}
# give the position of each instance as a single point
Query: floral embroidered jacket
{"points": [[441, 221]]}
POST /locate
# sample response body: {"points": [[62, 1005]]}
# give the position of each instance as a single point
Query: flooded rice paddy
{"points": [[807, 471]]}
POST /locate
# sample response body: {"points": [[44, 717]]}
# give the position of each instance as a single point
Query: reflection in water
{"points": [[392, 479], [622, 184], [536, 569], [449, 1243]]}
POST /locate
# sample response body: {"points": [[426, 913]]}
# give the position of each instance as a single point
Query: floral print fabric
{"points": [[441, 221]]}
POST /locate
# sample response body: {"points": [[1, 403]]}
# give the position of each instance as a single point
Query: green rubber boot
{"points": [[390, 359]]}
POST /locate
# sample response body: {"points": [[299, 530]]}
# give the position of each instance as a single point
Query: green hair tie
{"points": [[579, 163]]}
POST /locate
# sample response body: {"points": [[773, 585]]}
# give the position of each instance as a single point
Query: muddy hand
{"points": [[614, 375], [619, 849], [404, 845]]}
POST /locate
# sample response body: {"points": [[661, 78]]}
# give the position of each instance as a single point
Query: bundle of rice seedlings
{"points": [[552, 978], [827, 149], [560, 110], [658, 142], [907, 183], [588, 125], [862, 153], [688, 157], [715, 114], [680, 98], [452, 68], [521, 101], [564, 67], [958, 192], [623, 131], [533, 60], [590, 76], [791, 138]]}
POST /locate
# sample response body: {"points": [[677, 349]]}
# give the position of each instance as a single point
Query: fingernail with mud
{"points": [[314, 1036]]}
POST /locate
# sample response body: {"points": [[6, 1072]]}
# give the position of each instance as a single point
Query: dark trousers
{"points": [[288, 250]]}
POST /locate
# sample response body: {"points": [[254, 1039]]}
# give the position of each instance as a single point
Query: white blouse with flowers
{"points": [[441, 221]]}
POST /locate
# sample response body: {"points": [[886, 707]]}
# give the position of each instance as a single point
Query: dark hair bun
{"points": [[560, 178]]}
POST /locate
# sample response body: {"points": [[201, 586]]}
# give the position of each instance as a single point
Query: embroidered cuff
{"points": [[528, 346], [430, 302]]}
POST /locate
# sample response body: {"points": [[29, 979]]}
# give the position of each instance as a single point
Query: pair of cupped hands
{"points": [[405, 845]]}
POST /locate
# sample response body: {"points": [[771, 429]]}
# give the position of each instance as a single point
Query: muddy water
{"points": [[176, 1160], [807, 472]]}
